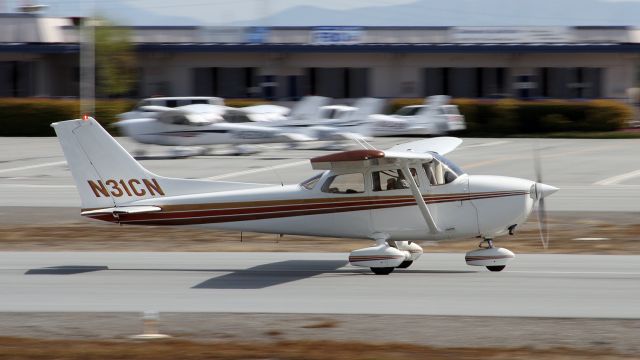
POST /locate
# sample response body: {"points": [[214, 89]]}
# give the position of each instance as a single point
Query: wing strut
{"points": [[426, 214]]}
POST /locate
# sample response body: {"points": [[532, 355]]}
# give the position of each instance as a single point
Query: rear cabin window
{"points": [[345, 184], [392, 179]]}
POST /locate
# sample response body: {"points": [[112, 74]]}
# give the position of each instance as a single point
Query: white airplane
{"points": [[435, 117], [198, 125], [150, 106], [366, 194], [204, 121], [204, 124], [333, 122]]}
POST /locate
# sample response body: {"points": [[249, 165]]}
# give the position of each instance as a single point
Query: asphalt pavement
{"points": [[593, 174], [568, 286]]}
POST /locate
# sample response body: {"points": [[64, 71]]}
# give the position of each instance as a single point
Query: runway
{"points": [[593, 174], [567, 286]]}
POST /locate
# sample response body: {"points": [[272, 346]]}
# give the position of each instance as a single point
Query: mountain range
{"points": [[417, 13]]}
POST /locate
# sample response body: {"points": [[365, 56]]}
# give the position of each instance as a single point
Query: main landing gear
{"points": [[493, 258], [386, 256]]}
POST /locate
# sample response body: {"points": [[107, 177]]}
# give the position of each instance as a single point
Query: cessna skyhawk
{"points": [[393, 197]]}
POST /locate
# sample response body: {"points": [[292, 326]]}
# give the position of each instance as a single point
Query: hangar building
{"points": [[39, 57]]}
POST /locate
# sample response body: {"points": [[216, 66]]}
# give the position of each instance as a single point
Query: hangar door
{"points": [[338, 82]]}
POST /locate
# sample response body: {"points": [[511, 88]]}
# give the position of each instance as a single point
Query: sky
{"points": [[209, 12], [346, 12]]}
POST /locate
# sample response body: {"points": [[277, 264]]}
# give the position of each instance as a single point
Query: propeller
{"points": [[541, 211], [541, 191]]}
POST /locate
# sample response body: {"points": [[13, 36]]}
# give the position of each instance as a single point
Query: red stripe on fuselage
{"points": [[231, 214]]}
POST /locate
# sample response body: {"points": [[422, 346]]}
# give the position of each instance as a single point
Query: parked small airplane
{"points": [[198, 121], [435, 117], [205, 124], [333, 122], [394, 197]]}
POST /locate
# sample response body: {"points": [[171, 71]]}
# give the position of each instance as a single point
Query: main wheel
{"points": [[405, 264], [382, 270], [496, 267]]}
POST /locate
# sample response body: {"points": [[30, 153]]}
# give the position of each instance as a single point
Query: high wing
{"points": [[440, 145], [358, 159]]}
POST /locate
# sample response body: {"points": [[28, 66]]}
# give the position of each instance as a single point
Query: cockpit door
{"points": [[448, 195], [396, 212], [346, 203]]}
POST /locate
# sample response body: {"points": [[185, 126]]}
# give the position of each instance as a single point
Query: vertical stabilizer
{"points": [[105, 174]]}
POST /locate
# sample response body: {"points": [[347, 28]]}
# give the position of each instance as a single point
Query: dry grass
{"points": [[20, 348], [623, 234]]}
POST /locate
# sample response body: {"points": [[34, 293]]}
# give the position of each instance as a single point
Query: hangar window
{"points": [[345, 184]]}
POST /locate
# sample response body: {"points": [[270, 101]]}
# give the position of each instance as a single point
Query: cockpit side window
{"points": [[345, 184], [392, 179], [439, 173]]}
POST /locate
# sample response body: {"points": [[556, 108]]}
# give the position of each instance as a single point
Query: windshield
{"points": [[450, 164], [311, 182]]}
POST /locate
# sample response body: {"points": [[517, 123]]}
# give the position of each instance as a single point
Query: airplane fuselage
{"points": [[467, 207]]}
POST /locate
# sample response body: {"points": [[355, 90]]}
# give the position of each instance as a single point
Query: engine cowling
{"points": [[489, 257], [381, 256]]}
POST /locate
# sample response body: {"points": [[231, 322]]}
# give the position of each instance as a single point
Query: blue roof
{"points": [[62, 48], [396, 48]]}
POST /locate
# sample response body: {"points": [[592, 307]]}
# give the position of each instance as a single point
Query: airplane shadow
{"points": [[267, 275], [257, 277], [65, 270]]}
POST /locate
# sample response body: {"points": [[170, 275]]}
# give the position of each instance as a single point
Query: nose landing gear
{"points": [[493, 258]]}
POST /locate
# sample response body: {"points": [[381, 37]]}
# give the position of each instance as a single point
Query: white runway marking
{"points": [[253, 171], [618, 178], [33, 166], [493, 143], [574, 272]]}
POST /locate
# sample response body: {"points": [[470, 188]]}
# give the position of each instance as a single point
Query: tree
{"points": [[115, 60]]}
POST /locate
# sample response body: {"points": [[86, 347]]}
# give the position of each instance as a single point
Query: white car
{"points": [[435, 117]]}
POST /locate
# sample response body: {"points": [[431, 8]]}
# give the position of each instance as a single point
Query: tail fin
{"points": [[107, 176], [366, 107], [308, 107], [104, 172]]}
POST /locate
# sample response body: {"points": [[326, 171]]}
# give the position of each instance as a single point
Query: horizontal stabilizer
{"points": [[122, 210]]}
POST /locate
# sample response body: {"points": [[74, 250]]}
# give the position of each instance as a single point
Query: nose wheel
{"points": [[493, 258]]}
